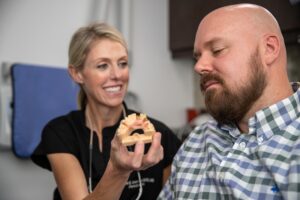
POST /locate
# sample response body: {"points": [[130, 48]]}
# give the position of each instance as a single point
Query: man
{"points": [[252, 148]]}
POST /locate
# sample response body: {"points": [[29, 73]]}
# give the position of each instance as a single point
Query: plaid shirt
{"points": [[219, 162]]}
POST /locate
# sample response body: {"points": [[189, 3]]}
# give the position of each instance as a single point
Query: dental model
{"points": [[134, 122]]}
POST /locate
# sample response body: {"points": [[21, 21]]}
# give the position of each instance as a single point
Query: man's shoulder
{"points": [[201, 133], [207, 127]]}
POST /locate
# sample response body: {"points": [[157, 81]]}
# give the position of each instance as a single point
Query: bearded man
{"points": [[251, 150]]}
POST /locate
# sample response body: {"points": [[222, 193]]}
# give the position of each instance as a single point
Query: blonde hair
{"points": [[81, 43]]}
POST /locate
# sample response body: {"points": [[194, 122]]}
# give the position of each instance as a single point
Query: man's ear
{"points": [[271, 48], [75, 74]]}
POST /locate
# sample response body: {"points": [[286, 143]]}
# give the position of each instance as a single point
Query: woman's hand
{"points": [[127, 161], [121, 163]]}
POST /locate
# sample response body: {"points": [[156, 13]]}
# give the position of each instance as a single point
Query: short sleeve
{"points": [[56, 137]]}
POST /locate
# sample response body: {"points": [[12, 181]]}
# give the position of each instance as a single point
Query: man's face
{"points": [[229, 104], [229, 64]]}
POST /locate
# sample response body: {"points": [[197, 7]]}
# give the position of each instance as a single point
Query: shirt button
{"points": [[242, 145], [221, 176], [260, 139]]}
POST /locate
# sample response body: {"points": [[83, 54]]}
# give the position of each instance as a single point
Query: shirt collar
{"points": [[271, 120]]}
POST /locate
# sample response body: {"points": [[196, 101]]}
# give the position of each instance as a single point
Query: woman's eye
{"points": [[102, 66], [123, 64]]}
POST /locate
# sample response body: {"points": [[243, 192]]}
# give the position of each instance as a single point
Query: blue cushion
{"points": [[40, 93]]}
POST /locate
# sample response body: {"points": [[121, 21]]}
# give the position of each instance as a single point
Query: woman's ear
{"points": [[75, 74], [271, 48]]}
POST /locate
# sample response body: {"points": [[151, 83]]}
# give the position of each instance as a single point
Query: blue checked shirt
{"points": [[219, 162]]}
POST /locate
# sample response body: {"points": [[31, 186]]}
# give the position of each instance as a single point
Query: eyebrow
{"points": [[213, 41], [108, 58]]}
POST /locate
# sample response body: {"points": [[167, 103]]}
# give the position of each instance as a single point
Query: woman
{"points": [[87, 161]]}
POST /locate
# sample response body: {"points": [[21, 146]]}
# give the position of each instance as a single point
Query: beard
{"points": [[229, 106]]}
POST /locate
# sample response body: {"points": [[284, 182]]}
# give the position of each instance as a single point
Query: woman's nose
{"points": [[115, 71]]}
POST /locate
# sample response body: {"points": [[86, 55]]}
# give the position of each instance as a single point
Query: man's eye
{"points": [[217, 51], [123, 64]]}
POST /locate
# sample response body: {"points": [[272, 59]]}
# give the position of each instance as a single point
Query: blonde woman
{"points": [[80, 148]]}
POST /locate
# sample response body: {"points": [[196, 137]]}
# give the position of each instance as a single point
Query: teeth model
{"points": [[130, 124]]}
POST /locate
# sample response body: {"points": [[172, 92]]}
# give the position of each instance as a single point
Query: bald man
{"points": [[251, 150]]}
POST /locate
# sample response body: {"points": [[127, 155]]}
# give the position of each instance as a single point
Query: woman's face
{"points": [[105, 74]]}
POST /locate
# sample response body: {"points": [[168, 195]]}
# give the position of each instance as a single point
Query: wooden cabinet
{"points": [[185, 15]]}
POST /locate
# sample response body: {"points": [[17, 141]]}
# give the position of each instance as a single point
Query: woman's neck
{"points": [[99, 117], [104, 116]]}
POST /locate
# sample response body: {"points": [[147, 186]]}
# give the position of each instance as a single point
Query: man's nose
{"points": [[203, 64]]}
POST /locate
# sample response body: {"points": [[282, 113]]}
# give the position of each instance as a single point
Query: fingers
{"points": [[122, 159], [138, 155], [155, 153], [118, 155]]}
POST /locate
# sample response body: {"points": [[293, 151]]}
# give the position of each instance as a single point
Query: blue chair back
{"points": [[40, 93]]}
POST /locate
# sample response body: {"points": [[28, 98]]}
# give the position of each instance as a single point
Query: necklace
{"points": [[91, 146], [91, 158]]}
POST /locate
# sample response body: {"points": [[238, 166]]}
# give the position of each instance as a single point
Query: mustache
{"points": [[204, 78]]}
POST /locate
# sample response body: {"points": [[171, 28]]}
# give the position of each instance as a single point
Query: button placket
{"points": [[242, 145], [260, 139]]}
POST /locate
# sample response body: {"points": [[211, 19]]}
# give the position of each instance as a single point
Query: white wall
{"points": [[38, 32], [164, 85], [35, 31]]}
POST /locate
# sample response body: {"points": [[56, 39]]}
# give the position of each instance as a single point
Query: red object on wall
{"points": [[191, 113]]}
